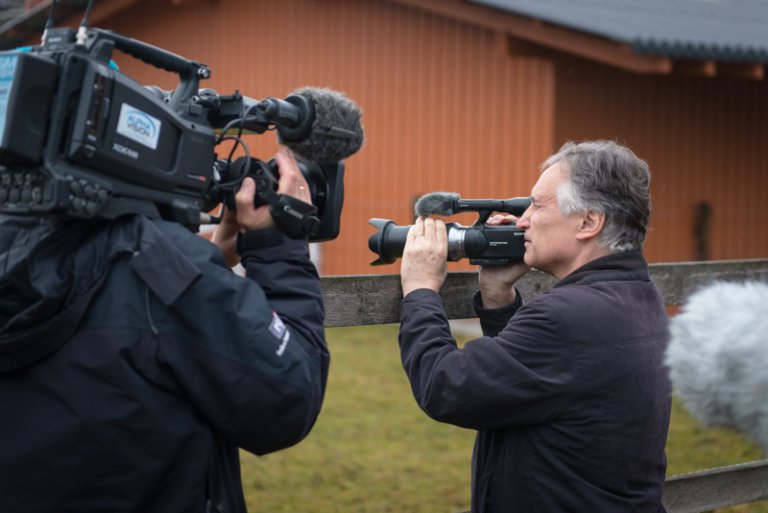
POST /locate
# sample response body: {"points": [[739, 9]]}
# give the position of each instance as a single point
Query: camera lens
{"points": [[389, 240]]}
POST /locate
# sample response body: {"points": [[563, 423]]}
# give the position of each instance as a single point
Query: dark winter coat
{"points": [[134, 363], [568, 392]]}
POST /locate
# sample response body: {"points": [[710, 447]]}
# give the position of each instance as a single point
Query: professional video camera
{"points": [[80, 139], [482, 244]]}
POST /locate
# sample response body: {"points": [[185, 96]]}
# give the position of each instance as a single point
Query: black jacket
{"points": [[134, 363], [568, 392]]}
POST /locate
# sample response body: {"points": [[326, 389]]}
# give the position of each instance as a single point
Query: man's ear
{"points": [[592, 224]]}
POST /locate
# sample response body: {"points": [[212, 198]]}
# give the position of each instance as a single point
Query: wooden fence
{"points": [[375, 299]]}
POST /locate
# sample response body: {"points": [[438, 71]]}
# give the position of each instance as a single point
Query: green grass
{"points": [[373, 449]]}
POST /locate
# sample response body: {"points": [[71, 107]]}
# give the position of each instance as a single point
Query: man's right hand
{"points": [[497, 283], [291, 182]]}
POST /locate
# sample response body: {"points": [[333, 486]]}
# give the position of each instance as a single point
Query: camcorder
{"points": [[482, 244], [80, 139]]}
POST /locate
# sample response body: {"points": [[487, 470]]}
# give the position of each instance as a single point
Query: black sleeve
{"points": [[520, 376], [250, 353], [493, 320], [282, 268]]}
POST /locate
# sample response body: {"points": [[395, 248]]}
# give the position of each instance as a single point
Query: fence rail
{"points": [[363, 300]]}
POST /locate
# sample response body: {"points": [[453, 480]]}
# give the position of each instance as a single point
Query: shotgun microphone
{"points": [[335, 131], [449, 203]]}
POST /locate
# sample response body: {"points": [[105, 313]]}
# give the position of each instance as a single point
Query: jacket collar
{"points": [[627, 265]]}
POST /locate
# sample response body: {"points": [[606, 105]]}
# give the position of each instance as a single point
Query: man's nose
{"points": [[523, 220]]}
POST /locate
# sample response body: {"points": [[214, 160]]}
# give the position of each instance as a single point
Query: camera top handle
{"points": [[190, 72]]}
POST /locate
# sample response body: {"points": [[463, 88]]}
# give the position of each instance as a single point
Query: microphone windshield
{"points": [[440, 203], [336, 132], [718, 356]]}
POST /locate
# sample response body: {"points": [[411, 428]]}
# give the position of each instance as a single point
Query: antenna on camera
{"points": [[82, 31], [51, 20]]}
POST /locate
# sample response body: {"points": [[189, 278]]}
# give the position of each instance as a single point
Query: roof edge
{"points": [[619, 55], [23, 28]]}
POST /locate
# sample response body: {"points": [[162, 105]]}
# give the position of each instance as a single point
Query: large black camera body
{"points": [[80, 139]]}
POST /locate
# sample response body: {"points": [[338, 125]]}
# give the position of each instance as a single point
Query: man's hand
{"points": [[248, 217], [497, 283], [424, 262], [225, 236], [290, 182]]}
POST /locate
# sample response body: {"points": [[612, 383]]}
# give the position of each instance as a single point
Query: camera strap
{"points": [[292, 216]]}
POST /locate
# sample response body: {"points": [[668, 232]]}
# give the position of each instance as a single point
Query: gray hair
{"points": [[609, 178]]}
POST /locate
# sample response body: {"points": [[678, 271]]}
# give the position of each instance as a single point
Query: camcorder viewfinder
{"points": [[80, 139], [481, 243]]}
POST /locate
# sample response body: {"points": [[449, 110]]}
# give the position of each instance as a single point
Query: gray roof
{"points": [[723, 30], [23, 26], [9, 9]]}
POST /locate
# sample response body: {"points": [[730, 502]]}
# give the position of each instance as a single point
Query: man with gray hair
{"points": [[568, 392]]}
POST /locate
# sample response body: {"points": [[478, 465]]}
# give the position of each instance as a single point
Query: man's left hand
{"points": [[424, 263]]}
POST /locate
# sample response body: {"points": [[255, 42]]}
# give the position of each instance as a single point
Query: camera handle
{"points": [[190, 72], [483, 216]]}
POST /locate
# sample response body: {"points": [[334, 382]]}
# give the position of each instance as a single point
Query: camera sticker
{"points": [[139, 126]]}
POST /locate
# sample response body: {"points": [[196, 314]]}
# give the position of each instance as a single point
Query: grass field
{"points": [[374, 450]]}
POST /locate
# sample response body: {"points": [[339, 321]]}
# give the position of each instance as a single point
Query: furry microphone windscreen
{"points": [[718, 357], [336, 132], [440, 203]]}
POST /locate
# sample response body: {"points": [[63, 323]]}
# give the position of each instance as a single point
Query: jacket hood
{"points": [[49, 271]]}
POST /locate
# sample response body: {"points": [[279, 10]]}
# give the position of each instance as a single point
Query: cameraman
{"points": [[134, 363], [568, 392]]}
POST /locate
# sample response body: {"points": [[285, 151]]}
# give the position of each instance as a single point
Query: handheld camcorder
{"points": [[80, 139], [483, 245]]}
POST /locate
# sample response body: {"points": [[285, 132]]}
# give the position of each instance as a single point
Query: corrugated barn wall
{"points": [[449, 108], [705, 140], [443, 110]]}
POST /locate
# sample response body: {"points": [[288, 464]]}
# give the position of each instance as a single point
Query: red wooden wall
{"points": [[446, 109]]}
